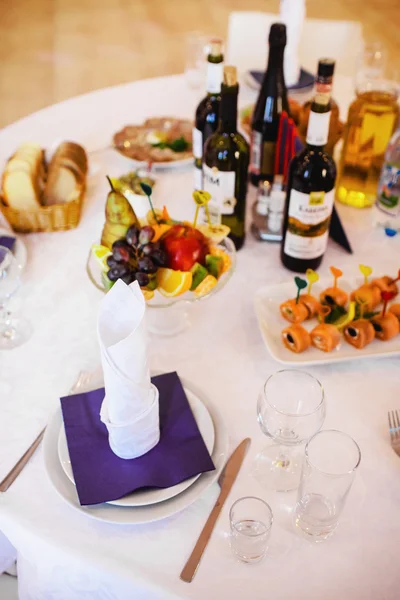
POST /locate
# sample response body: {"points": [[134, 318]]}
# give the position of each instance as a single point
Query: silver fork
{"points": [[82, 380], [394, 429]]}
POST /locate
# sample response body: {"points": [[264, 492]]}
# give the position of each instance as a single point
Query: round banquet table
{"points": [[65, 555]]}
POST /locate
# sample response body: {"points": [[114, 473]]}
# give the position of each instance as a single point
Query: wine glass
{"points": [[13, 331], [291, 409], [195, 59]]}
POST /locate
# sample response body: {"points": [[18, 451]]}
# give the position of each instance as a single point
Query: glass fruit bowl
{"points": [[169, 315]]}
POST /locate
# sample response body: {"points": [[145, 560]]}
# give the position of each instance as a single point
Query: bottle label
{"points": [[221, 186], [255, 152], [308, 224], [215, 72], [198, 178], [389, 190], [197, 143], [318, 128]]}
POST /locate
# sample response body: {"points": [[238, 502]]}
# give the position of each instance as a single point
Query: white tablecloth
{"points": [[64, 555]]}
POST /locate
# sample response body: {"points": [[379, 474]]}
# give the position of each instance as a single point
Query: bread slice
{"points": [[62, 186], [22, 180], [19, 190]]}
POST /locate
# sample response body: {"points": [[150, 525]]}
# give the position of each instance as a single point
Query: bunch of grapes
{"points": [[136, 258]]}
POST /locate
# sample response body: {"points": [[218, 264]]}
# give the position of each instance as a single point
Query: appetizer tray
{"points": [[267, 302]]}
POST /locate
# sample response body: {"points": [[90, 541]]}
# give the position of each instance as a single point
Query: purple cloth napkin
{"points": [[100, 475], [7, 241]]}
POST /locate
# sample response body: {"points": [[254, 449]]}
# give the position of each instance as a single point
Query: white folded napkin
{"points": [[130, 407]]}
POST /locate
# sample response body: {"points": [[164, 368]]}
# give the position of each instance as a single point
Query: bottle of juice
{"points": [[372, 119]]}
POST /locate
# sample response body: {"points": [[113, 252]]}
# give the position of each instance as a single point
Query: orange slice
{"points": [[205, 286], [173, 283], [159, 231]]}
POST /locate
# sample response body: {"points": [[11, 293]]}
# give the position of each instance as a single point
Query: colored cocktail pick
{"points": [[386, 297], [148, 191], [336, 274], [201, 198], [312, 278], [301, 284], [366, 271], [397, 278]]}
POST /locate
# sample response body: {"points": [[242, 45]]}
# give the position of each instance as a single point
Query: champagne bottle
{"points": [[310, 194], [207, 112], [225, 164], [271, 101]]}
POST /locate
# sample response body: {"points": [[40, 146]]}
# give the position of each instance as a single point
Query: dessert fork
{"points": [[394, 430]]}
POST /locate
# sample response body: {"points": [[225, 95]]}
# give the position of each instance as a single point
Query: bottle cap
{"points": [[277, 34], [215, 47], [230, 76], [326, 67]]}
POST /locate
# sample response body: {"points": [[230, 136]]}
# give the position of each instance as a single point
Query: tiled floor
{"points": [[66, 47]]}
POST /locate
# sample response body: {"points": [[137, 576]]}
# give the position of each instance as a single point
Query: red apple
{"points": [[184, 246]]}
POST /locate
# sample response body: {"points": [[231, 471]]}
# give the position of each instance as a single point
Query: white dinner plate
{"points": [[137, 514], [19, 251], [154, 495], [172, 165], [266, 302]]}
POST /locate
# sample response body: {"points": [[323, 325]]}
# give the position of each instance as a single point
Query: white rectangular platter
{"points": [[267, 301]]}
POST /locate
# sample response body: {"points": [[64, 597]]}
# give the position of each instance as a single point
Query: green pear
{"points": [[119, 217]]}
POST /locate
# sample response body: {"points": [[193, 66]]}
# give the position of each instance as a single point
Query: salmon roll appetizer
{"points": [[296, 338], [325, 337], [395, 310], [334, 296], [385, 284], [295, 313], [312, 304], [386, 326], [359, 333], [367, 295]]}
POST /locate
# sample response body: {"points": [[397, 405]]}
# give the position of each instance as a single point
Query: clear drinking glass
{"points": [[13, 331], [330, 464], [291, 409], [251, 521], [195, 59]]}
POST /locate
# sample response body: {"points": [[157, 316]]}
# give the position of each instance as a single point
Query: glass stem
{"points": [[7, 329]]}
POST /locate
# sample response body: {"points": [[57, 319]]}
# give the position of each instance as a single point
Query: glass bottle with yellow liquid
{"points": [[372, 118]]}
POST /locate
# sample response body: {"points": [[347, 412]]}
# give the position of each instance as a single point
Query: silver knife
{"points": [[226, 481]]}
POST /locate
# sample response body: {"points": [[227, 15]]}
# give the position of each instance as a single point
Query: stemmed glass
{"points": [[13, 331], [291, 409]]}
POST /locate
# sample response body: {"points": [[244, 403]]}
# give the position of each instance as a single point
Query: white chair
{"points": [[247, 42]]}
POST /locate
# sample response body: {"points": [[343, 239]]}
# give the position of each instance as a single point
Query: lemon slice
{"points": [[215, 233], [148, 294], [227, 263], [100, 254], [348, 318], [205, 286], [173, 283]]}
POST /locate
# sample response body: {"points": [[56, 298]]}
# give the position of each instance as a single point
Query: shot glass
{"points": [[251, 521], [329, 468]]}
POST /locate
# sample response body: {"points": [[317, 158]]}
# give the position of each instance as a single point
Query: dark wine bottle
{"points": [[310, 194], [207, 112], [225, 164], [272, 100]]}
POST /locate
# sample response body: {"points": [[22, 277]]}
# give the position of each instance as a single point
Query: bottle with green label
{"points": [[272, 100], [388, 198], [225, 164], [311, 182], [207, 112]]}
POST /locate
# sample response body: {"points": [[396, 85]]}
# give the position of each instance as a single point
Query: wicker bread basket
{"points": [[58, 217]]}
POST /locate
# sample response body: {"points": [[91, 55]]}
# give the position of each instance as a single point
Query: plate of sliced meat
{"points": [[164, 142]]}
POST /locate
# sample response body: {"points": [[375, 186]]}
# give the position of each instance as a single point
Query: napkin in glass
{"points": [[130, 408], [7, 241], [101, 476]]}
